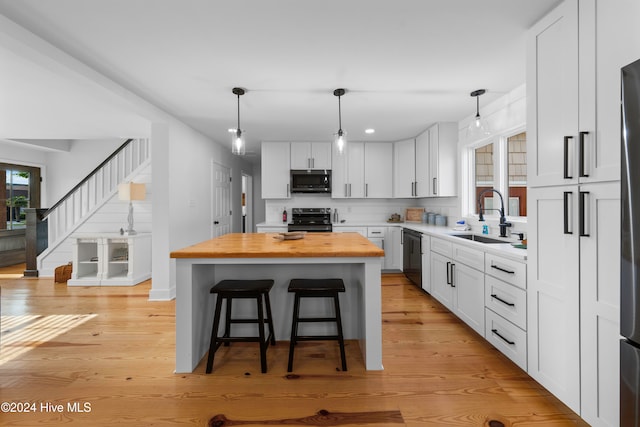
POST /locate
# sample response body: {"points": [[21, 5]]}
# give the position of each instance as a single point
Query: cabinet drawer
{"points": [[506, 337], [508, 270], [468, 256], [376, 231], [361, 230], [507, 300], [442, 247], [275, 229]]}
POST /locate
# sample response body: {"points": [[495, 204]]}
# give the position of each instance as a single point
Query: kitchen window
{"points": [[500, 163]]}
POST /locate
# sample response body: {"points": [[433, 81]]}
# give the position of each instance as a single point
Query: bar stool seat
{"points": [[316, 288], [228, 290]]}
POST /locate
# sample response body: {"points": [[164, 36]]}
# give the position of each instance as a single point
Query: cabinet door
{"points": [[443, 144], [321, 155], [441, 288], [404, 168], [395, 247], [469, 296], [553, 292], [379, 242], [605, 27], [426, 263], [275, 170], [552, 97], [339, 174], [378, 170], [422, 185], [600, 304], [301, 155], [355, 168]]}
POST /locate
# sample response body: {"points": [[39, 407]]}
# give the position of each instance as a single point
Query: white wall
{"points": [[69, 168], [182, 177], [505, 116]]}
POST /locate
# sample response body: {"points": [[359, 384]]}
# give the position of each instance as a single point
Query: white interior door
{"points": [[221, 200]]}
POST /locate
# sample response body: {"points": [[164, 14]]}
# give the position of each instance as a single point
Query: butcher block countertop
{"points": [[265, 245]]}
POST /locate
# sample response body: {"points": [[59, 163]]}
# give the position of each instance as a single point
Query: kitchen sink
{"points": [[479, 238]]}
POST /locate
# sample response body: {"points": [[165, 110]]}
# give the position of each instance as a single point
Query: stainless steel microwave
{"points": [[311, 181]]}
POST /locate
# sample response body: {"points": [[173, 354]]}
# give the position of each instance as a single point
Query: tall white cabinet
{"points": [[573, 129]]}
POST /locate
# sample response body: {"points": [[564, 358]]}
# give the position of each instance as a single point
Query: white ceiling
{"points": [[405, 64]]}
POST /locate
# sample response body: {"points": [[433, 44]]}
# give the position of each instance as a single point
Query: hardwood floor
{"points": [[438, 372]]}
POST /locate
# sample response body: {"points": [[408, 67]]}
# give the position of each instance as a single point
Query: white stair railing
{"points": [[92, 192]]}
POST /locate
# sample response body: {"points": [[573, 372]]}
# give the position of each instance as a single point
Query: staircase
{"points": [[93, 205]]}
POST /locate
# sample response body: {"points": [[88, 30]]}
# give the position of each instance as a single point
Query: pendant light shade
{"points": [[238, 146], [478, 128], [340, 137]]}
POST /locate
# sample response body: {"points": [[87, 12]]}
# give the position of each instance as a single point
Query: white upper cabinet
{"points": [[443, 144], [404, 168], [275, 170], [378, 170], [347, 175], [426, 166], [421, 185], [609, 40], [310, 155], [552, 98], [573, 91]]}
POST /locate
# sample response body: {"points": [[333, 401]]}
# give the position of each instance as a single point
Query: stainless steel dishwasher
{"points": [[412, 256]]}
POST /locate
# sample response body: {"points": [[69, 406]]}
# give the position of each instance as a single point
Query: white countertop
{"points": [[444, 232]]}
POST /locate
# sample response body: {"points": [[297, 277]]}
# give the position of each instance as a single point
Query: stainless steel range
{"points": [[310, 219]]}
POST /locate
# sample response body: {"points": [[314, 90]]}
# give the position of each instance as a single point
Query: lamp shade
{"points": [[131, 191]]}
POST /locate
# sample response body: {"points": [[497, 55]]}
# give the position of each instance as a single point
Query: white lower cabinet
{"points": [[110, 259], [506, 337], [469, 295], [505, 301], [426, 263], [272, 228], [394, 237], [456, 284]]}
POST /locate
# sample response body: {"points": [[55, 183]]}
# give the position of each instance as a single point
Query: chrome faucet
{"points": [[503, 220]]}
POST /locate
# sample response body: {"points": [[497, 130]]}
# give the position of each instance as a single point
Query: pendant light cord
{"points": [[339, 115], [238, 131]]}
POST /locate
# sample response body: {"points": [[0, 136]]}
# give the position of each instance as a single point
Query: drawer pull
{"points": [[495, 331], [510, 304], [502, 269]]}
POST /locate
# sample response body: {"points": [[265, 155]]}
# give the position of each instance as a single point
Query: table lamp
{"points": [[131, 191]]}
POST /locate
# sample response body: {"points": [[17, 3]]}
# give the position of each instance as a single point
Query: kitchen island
{"points": [[348, 256]]}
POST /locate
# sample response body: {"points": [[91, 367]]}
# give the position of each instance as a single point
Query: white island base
{"points": [[360, 304]]}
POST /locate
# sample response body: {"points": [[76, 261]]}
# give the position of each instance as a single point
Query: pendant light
{"points": [[478, 128], [340, 138], [238, 145]]}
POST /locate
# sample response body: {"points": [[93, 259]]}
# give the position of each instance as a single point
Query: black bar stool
{"points": [[228, 290], [316, 288]]}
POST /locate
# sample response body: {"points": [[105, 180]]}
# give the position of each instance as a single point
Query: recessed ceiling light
{"points": [[370, 130]]}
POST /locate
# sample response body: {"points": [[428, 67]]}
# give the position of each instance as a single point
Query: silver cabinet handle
{"points": [[366, 190], [435, 190], [288, 190]]}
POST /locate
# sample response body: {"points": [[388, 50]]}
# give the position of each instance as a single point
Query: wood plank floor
{"points": [[438, 372]]}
